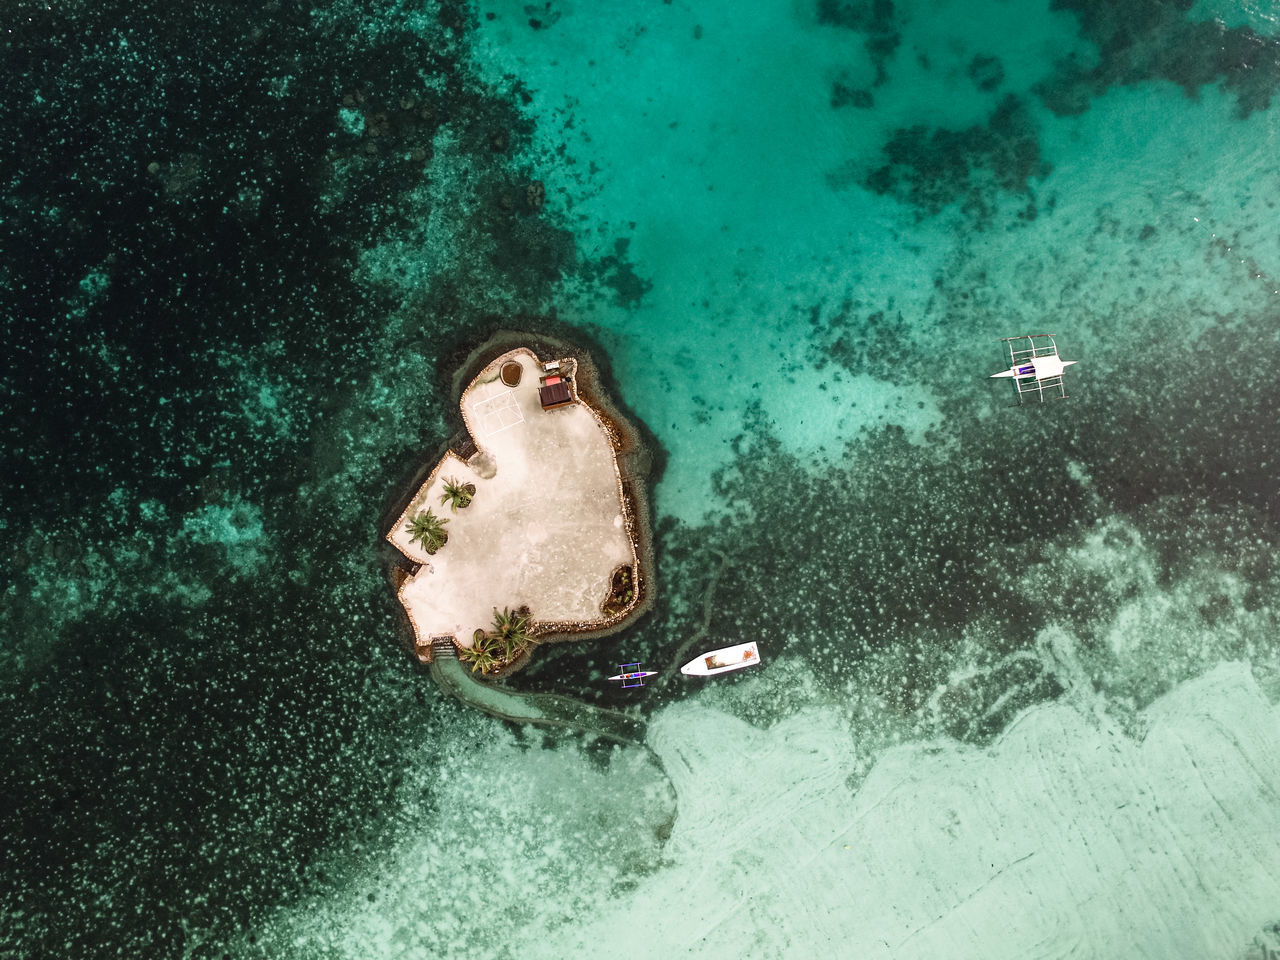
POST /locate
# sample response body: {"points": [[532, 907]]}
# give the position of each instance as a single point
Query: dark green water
{"points": [[244, 249]]}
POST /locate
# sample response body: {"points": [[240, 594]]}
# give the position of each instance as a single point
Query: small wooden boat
{"points": [[632, 675], [1035, 367], [723, 660]]}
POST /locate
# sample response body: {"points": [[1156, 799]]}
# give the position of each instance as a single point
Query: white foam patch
{"points": [[1065, 839], [1260, 17], [1155, 626]]}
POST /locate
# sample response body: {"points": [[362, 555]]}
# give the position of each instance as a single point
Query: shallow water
{"points": [[1020, 664]]}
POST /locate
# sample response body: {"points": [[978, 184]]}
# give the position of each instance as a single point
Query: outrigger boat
{"points": [[723, 660], [632, 675], [1035, 367]]}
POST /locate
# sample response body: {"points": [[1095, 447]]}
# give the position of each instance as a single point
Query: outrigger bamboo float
{"points": [[723, 660], [1035, 367]]}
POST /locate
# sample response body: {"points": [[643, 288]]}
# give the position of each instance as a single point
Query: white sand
{"points": [[545, 528]]}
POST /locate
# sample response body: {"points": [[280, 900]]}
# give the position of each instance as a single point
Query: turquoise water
{"points": [[1020, 671]]}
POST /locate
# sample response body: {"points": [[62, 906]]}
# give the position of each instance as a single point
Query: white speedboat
{"points": [[723, 660]]}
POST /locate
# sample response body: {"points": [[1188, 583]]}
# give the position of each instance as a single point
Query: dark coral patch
{"points": [[618, 273], [1150, 40], [862, 344], [844, 94], [933, 167], [876, 19], [864, 16], [987, 73]]}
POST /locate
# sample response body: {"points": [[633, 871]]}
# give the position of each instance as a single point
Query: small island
{"points": [[533, 528]]}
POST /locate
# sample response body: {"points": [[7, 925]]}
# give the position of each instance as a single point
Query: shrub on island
{"points": [[457, 494], [428, 529]]}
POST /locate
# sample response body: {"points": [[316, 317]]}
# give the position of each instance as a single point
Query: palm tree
{"points": [[456, 494], [481, 653], [428, 529], [511, 630]]}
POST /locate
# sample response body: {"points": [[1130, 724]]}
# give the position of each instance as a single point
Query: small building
{"points": [[554, 392]]}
